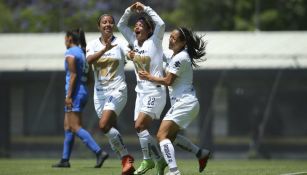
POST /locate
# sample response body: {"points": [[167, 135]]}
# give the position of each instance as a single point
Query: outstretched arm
{"points": [[159, 23], [168, 80]]}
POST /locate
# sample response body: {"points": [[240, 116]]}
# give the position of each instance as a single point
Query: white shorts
{"points": [[111, 99], [150, 103], [183, 111]]}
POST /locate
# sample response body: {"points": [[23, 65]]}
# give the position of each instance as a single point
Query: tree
{"points": [[6, 18], [239, 15]]}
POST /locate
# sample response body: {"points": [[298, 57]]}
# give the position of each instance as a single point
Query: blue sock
{"points": [[68, 144], [88, 140]]}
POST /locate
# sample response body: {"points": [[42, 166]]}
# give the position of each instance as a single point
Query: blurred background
{"points": [[252, 87]]}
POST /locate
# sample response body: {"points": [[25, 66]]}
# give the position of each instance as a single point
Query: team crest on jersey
{"points": [[107, 68], [142, 63]]}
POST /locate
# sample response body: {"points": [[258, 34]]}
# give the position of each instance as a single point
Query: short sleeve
{"points": [[176, 66], [68, 53], [89, 50]]}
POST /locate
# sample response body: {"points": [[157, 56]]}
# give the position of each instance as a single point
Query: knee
{"points": [[74, 128], [139, 127], [66, 127], [105, 127], [161, 136]]}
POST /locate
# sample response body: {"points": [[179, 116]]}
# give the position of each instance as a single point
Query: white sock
{"points": [[168, 152], [186, 144], [145, 143], [116, 142], [155, 149]]}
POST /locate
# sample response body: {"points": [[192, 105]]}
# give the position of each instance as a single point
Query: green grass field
{"points": [[187, 167]]}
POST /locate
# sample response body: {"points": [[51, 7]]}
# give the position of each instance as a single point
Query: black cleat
{"points": [[100, 158], [61, 164]]}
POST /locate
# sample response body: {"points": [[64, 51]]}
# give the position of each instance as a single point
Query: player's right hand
{"points": [[131, 55], [109, 46]]}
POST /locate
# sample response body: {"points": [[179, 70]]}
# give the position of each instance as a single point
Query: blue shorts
{"points": [[79, 102]]}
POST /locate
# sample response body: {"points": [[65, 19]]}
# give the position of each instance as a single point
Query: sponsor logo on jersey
{"points": [[140, 51], [108, 54], [177, 64]]}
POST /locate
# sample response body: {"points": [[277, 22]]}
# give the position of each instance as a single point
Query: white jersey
{"points": [[181, 66], [109, 69], [148, 56]]}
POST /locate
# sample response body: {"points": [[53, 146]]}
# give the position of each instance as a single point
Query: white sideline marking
{"points": [[297, 173]]}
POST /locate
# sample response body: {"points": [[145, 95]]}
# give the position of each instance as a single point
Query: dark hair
{"points": [[195, 44], [103, 15], [78, 37], [148, 22]]}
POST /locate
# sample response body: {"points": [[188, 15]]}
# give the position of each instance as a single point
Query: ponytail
{"points": [[82, 40], [78, 38], [195, 44]]}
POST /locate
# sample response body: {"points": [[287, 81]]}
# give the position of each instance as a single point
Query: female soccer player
{"points": [[187, 47], [76, 69], [107, 55], [146, 41]]}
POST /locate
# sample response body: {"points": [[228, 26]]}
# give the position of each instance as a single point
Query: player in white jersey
{"points": [[106, 54], [186, 47], [147, 54]]}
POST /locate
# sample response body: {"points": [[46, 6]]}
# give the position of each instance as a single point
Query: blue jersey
{"points": [[80, 93]]}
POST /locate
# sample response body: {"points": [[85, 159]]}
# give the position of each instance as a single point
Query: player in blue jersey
{"points": [[76, 95], [187, 48]]}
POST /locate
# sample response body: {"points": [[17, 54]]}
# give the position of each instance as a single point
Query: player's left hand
{"points": [[144, 75], [139, 7], [109, 46]]}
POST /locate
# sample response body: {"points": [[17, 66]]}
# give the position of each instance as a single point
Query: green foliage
{"points": [[240, 14], [60, 15], [202, 14], [6, 18]]}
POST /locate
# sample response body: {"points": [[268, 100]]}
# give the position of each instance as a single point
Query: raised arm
{"points": [[159, 23], [123, 26]]}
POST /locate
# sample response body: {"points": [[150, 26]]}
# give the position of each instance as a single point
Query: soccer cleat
{"points": [[144, 167], [203, 162], [61, 164], [100, 158], [160, 166], [173, 173], [127, 165]]}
